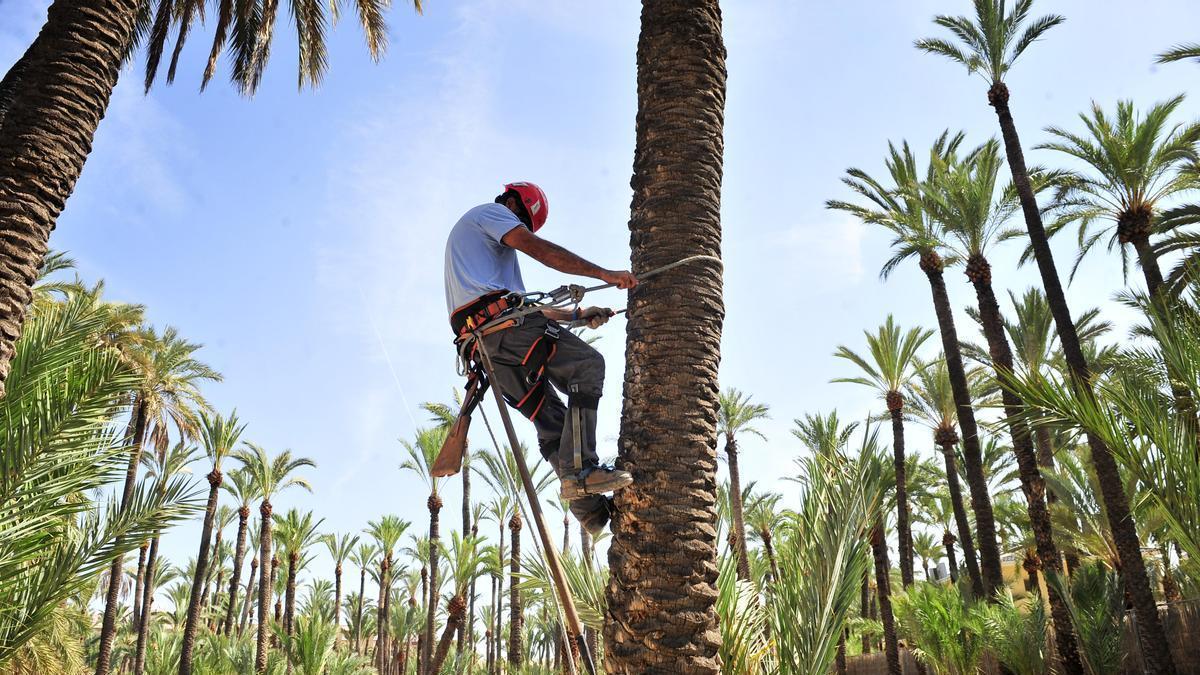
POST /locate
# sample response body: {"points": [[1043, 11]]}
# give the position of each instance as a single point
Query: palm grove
{"points": [[1060, 453]]}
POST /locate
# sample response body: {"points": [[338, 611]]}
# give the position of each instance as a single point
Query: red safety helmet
{"points": [[534, 200]]}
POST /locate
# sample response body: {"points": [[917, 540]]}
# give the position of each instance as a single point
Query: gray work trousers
{"points": [[576, 370]]}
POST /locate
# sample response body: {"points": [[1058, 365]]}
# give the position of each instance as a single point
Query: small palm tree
{"points": [[421, 455], [466, 560], [297, 532], [340, 547], [763, 517], [933, 403], [890, 370], [363, 557], [240, 486], [928, 550], [270, 475], [219, 435], [387, 532], [737, 415]]}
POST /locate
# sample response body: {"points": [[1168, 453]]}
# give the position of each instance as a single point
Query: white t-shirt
{"points": [[477, 261]]}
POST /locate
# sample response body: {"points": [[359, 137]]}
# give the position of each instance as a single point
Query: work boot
{"points": [[593, 513], [593, 480]]}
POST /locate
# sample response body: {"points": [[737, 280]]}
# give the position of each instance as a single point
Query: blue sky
{"points": [[299, 236]]}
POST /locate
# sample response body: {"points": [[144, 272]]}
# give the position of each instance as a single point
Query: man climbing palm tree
{"points": [[481, 274]]}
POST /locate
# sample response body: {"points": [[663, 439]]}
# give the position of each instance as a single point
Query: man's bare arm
{"points": [[556, 257]]}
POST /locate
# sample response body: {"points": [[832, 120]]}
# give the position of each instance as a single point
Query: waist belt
{"points": [[481, 310]]}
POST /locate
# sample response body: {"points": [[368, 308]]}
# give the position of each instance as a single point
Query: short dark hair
{"points": [[523, 213]]}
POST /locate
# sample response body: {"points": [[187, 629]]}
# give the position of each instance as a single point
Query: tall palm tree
{"points": [[897, 209], [340, 548], [362, 557], [168, 395], [965, 198], [933, 403], [54, 103], [664, 558], [219, 436], [421, 455], [889, 370], [271, 475], [1135, 164], [248, 602], [387, 532], [736, 415], [466, 560], [991, 42], [241, 487]]}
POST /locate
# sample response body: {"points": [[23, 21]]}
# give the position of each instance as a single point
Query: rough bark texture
{"points": [[951, 561], [1027, 468], [358, 610], [895, 405], [193, 613], [735, 503], [883, 592], [337, 600], [137, 587], [516, 621], [981, 501], [47, 137], [961, 522], [266, 578], [380, 622], [289, 596], [435, 506], [10, 86], [864, 604], [1152, 639], [238, 555], [456, 610], [662, 586], [108, 625]]}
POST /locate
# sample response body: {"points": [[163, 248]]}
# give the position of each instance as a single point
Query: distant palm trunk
{"points": [[979, 272], [662, 588], [895, 406], [137, 587], [961, 521], [67, 80], [249, 601], [108, 626], [337, 601], [264, 587], [358, 619], [238, 556], [738, 509], [891, 647], [991, 578], [951, 562], [864, 605], [143, 629], [380, 609], [193, 612], [516, 621], [289, 606], [434, 503], [1133, 568]]}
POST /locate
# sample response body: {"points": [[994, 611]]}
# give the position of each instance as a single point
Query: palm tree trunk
{"points": [[238, 555], [516, 651], [979, 272], [841, 654], [1045, 450], [143, 629], [738, 509], [471, 612], [137, 585], [10, 86], [891, 647], [456, 609], [951, 561], [1133, 568], [108, 626], [193, 612], [65, 89], [264, 587], [337, 601], [289, 603], [895, 405], [769, 547], [249, 601], [992, 578], [466, 519], [961, 521], [381, 626], [435, 506], [358, 619], [864, 605], [662, 589]]}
